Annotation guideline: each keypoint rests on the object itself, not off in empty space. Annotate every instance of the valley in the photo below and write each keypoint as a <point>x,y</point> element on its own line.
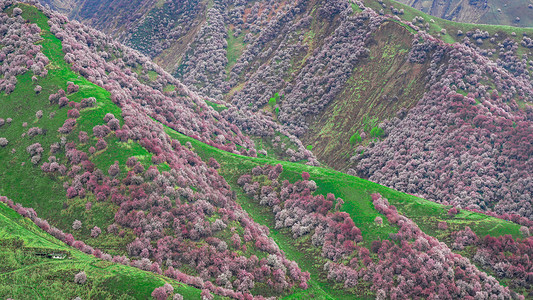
<point>262,150</point>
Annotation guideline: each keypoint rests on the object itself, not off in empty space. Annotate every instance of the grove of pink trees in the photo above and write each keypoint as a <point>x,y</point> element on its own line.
<point>19,52</point>
<point>467,142</point>
<point>180,216</point>
<point>410,265</point>
<point>507,257</point>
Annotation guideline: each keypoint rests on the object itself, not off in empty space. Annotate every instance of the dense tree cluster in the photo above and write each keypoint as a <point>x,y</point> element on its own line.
<point>508,59</point>
<point>19,52</point>
<point>425,267</point>
<point>412,265</point>
<point>466,143</point>
<point>143,263</point>
<point>263,126</point>
<point>527,42</point>
<point>204,69</point>
<point>296,208</point>
<point>182,110</point>
<point>171,224</point>
<point>164,25</point>
<point>269,67</point>
<point>508,258</point>
<point>324,73</point>
<point>181,216</point>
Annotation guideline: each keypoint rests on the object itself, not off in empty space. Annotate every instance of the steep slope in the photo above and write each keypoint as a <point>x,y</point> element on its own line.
<point>28,273</point>
<point>217,55</point>
<point>178,201</point>
<point>164,192</point>
<point>382,85</point>
<point>435,220</point>
<point>515,13</point>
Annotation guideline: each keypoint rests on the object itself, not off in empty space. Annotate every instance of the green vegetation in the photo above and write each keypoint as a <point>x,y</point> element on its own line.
<point>356,138</point>
<point>376,132</point>
<point>169,88</point>
<point>25,275</point>
<point>356,8</point>
<point>15,161</point>
<point>215,106</point>
<point>363,103</point>
<point>274,100</point>
<point>106,280</point>
<point>152,75</point>
<point>437,24</point>
<point>356,194</point>
<point>235,48</point>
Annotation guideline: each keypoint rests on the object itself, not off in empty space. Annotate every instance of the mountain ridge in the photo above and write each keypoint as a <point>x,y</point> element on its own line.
<point>142,172</point>
<point>483,12</point>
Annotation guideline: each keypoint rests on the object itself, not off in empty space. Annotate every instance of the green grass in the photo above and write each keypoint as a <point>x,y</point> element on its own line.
<point>356,194</point>
<point>235,48</point>
<point>274,100</point>
<point>27,276</point>
<point>355,138</point>
<point>45,193</point>
<point>376,132</point>
<point>169,88</point>
<point>216,106</point>
<point>452,27</point>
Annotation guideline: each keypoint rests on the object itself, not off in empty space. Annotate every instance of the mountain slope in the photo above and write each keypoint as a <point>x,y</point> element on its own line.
<point>83,193</point>
<point>162,192</point>
<point>26,275</point>
<point>220,59</point>
<point>482,12</point>
<point>356,194</point>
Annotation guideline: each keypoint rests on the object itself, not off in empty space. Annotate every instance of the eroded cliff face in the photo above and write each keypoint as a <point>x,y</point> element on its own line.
<point>478,11</point>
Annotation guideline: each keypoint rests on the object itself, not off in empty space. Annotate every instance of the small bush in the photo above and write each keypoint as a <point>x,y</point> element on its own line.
<point>377,132</point>
<point>356,138</point>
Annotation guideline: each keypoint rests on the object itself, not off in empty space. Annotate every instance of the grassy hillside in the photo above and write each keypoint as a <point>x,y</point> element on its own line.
<point>46,193</point>
<point>482,12</point>
<point>27,184</point>
<point>17,169</point>
<point>356,194</point>
<point>381,85</point>
<point>364,100</point>
<point>25,275</point>
<point>504,31</point>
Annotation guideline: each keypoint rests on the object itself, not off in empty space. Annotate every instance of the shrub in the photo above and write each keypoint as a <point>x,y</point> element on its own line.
<point>76,225</point>
<point>3,142</point>
<point>442,225</point>
<point>95,232</point>
<point>356,137</point>
<point>80,278</point>
<point>453,211</point>
<point>377,132</point>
